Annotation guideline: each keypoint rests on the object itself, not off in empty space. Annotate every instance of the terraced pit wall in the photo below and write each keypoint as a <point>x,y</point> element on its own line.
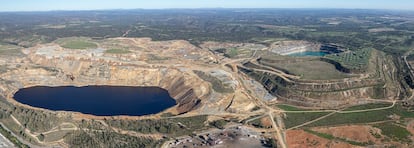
<point>187,90</point>
<point>342,68</point>
<point>379,84</point>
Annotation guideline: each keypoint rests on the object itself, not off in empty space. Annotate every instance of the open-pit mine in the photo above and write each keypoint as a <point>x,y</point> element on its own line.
<point>252,94</point>
<point>207,78</point>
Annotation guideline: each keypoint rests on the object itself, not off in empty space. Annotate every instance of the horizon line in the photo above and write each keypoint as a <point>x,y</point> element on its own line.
<point>204,8</point>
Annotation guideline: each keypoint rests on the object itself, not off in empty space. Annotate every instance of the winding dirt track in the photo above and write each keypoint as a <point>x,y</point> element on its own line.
<point>279,131</point>
<point>340,112</point>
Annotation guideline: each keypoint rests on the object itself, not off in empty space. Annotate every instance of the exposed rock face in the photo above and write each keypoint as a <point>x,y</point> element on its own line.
<point>360,89</point>
<point>54,66</point>
<point>321,95</point>
<point>289,47</point>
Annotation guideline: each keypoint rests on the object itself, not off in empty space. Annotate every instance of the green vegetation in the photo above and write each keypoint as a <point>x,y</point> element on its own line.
<point>225,27</point>
<point>78,44</point>
<point>219,123</point>
<point>34,120</point>
<point>323,135</point>
<point>153,57</point>
<point>117,51</point>
<point>394,131</point>
<point>228,25</point>
<point>289,108</point>
<point>10,50</point>
<point>352,61</point>
<point>231,53</point>
<point>267,41</point>
<point>94,134</point>
<point>368,106</point>
<point>364,117</point>
<point>352,118</point>
<point>307,69</point>
<point>37,120</point>
<point>55,136</point>
<point>234,52</point>
<point>378,91</point>
<point>83,139</point>
<point>41,137</point>
<point>13,139</point>
<point>294,119</point>
<point>331,137</point>
<point>216,83</point>
<point>375,134</point>
<point>173,126</point>
<point>258,123</point>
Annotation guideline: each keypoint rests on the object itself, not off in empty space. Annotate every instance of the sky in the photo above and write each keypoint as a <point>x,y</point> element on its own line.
<point>46,5</point>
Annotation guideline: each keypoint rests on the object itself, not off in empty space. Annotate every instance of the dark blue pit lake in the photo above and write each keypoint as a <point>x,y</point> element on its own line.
<point>98,100</point>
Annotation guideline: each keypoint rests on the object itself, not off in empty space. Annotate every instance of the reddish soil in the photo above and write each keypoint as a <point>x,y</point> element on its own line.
<point>410,128</point>
<point>266,122</point>
<point>302,139</point>
<point>358,133</point>
<point>363,133</point>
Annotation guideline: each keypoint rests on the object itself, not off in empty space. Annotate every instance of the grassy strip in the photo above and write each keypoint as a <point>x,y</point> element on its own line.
<point>76,44</point>
<point>395,132</point>
<point>294,119</point>
<point>290,108</point>
<point>368,106</point>
<point>231,53</point>
<point>363,117</point>
<point>117,51</point>
<point>216,83</point>
<point>331,137</point>
<point>219,123</point>
<point>13,139</point>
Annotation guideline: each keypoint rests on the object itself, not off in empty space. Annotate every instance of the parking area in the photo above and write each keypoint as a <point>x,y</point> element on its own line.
<point>239,136</point>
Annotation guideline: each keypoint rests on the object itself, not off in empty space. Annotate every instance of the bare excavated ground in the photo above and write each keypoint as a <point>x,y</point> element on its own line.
<point>122,61</point>
<point>344,136</point>
<point>52,65</point>
<point>302,139</point>
<point>205,80</point>
<point>358,133</point>
<point>240,137</point>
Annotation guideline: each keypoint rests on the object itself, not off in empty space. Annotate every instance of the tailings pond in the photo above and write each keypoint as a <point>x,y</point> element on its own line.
<point>98,100</point>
